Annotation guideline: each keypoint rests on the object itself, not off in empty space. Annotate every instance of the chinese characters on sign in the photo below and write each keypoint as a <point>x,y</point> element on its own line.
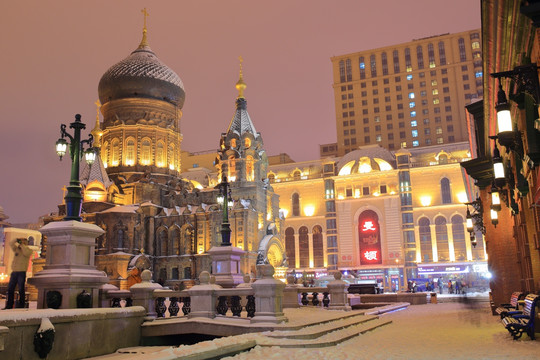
<point>369,238</point>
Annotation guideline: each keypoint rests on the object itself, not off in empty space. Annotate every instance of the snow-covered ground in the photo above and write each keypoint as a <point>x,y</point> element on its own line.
<point>456,330</point>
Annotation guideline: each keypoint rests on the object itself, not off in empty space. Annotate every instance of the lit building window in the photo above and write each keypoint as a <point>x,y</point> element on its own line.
<point>290,246</point>
<point>441,235</point>
<point>303,245</point>
<point>145,152</point>
<point>424,232</point>
<point>446,195</point>
<point>413,113</point>
<point>415,143</point>
<point>115,158</point>
<point>414,123</point>
<point>296,204</point>
<point>130,152</point>
<point>414,133</point>
<point>409,77</point>
<point>412,104</point>
<point>411,95</point>
<point>160,154</point>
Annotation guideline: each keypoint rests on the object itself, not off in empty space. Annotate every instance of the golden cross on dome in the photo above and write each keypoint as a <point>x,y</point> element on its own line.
<point>241,85</point>
<point>145,14</point>
<point>241,61</point>
<point>144,41</point>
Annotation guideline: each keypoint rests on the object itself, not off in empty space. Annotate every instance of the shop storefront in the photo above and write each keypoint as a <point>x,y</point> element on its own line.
<point>473,276</point>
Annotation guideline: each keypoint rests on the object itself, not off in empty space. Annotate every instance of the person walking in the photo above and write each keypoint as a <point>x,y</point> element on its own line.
<point>19,265</point>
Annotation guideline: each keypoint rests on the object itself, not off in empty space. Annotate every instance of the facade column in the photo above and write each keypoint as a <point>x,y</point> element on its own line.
<point>450,237</point>
<point>433,235</point>
<point>467,242</point>
<point>296,250</point>
<point>310,242</point>
<point>417,241</point>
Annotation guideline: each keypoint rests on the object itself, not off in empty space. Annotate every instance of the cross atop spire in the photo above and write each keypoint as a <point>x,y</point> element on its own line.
<point>241,85</point>
<point>144,41</point>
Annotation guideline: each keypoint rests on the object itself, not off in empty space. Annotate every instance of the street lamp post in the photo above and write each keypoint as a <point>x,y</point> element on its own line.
<point>225,225</point>
<point>73,197</point>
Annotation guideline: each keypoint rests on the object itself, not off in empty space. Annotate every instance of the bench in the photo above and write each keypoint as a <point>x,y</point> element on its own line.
<point>524,322</point>
<point>513,307</point>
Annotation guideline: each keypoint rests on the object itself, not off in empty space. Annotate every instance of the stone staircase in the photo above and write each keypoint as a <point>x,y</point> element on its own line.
<point>323,335</point>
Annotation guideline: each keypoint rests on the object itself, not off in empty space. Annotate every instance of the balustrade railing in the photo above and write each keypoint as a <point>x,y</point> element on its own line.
<point>168,303</point>
<point>234,300</point>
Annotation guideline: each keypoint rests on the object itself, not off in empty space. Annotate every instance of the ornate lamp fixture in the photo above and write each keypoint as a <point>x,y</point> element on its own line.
<point>475,222</point>
<point>225,200</point>
<point>73,197</point>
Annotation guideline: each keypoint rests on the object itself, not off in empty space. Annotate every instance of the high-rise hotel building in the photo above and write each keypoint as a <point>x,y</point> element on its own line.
<point>407,95</point>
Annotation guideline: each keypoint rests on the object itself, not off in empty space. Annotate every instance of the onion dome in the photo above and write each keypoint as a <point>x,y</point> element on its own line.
<point>141,74</point>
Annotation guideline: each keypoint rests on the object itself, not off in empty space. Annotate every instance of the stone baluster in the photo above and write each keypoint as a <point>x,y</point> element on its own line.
<point>203,297</point>
<point>143,294</point>
<point>268,297</point>
<point>290,293</point>
<point>338,290</point>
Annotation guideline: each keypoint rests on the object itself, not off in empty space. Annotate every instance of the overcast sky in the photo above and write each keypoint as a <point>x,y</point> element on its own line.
<point>55,52</point>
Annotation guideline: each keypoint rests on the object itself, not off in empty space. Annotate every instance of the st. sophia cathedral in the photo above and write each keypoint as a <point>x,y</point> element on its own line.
<point>154,216</point>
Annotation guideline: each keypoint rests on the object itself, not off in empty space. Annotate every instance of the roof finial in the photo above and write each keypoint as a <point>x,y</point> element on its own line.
<point>241,85</point>
<point>97,133</point>
<point>144,41</point>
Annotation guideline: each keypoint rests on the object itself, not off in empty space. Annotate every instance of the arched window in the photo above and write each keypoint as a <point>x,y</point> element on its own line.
<point>130,152</point>
<point>163,249</point>
<point>458,234</point>
<point>445,191</point>
<point>290,247</point>
<point>395,56</point>
<point>342,71</point>
<point>424,231</point>
<point>362,67</point>
<point>296,204</point>
<point>105,153</point>
<point>443,159</point>
<point>175,240</point>
<point>373,66</point>
<point>249,167</point>
<point>348,69</point>
<point>303,244</point>
<point>146,152</point>
<point>369,237</point>
<point>247,143</point>
<point>172,157</point>
<point>271,178</point>
<point>442,53</point>
<point>232,168</point>
<point>233,143</point>
<point>420,57</point>
<point>160,154</point>
<point>318,249</point>
<point>115,152</point>
<point>296,175</point>
<point>441,234</point>
<point>384,61</point>
<point>462,53</point>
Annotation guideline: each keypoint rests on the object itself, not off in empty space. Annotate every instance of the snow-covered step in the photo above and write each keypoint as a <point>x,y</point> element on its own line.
<point>313,332</point>
<point>330,339</point>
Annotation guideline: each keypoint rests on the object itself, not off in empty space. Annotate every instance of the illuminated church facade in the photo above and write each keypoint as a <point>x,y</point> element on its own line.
<point>153,216</point>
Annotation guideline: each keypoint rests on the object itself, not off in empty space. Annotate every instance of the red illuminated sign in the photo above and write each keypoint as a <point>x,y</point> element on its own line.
<point>368,226</point>
<point>371,255</point>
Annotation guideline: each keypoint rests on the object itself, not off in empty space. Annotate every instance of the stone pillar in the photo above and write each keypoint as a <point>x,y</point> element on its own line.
<point>268,297</point>
<point>143,294</point>
<point>290,294</point>
<point>226,265</point>
<point>69,268</point>
<point>203,297</point>
<point>338,290</point>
